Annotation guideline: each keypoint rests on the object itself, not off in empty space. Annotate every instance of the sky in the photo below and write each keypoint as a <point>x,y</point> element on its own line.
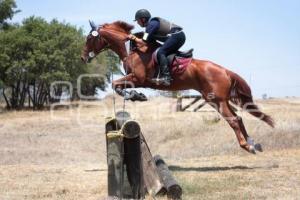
<point>258,39</point>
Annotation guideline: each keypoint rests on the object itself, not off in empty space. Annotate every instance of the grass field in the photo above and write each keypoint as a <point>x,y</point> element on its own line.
<point>60,154</point>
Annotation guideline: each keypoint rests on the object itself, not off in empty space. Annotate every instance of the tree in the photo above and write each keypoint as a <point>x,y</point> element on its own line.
<point>36,54</point>
<point>7,11</point>
<point>104,65</point>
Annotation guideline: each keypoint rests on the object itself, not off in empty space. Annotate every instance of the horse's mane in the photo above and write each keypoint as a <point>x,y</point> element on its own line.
<point>122,26</point>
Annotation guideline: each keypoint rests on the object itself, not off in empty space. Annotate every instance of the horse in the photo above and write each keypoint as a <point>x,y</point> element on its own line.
<point>217,85</point>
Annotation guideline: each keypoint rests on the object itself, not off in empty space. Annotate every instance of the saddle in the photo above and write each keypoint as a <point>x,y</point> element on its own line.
<point>185,54</point>
<point>177,62</point>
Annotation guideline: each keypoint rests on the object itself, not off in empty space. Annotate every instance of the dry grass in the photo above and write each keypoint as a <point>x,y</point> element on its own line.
<point>61,154</point>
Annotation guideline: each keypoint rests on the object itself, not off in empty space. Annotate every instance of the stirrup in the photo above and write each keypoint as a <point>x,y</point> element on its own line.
<point>162,81</point>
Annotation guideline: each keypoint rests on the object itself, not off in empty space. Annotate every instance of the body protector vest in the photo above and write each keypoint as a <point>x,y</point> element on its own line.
<point>165,28</point>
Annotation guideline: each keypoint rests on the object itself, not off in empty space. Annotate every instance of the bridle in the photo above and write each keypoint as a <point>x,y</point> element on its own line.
<point>108,45</point>
<point>91,54</point>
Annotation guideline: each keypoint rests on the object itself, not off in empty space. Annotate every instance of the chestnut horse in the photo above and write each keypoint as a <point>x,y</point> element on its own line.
<point>217,85</point>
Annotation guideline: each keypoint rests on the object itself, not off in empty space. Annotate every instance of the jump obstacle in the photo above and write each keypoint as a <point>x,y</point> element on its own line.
<point>132,171</point>
<point>196,99</point>
<point>180,107</point>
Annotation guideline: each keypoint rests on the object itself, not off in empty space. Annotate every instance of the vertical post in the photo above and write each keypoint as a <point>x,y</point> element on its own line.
<point>132,157</point>
<point>115,150</point>
<point>179,104</point>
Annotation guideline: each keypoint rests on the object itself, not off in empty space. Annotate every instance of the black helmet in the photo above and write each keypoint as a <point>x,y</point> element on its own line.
<point>142,13</point>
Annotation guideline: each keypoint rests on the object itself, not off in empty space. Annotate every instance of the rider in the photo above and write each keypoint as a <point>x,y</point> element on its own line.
<point>164,31</point>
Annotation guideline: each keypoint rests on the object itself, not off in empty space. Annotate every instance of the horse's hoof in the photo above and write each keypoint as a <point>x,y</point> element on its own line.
<point>258,147</point>
<point>252,149</point>
<point>142,97</point>
<point>135,96</point>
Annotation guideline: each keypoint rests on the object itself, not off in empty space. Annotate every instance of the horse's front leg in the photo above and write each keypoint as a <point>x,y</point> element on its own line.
<point>128,81</point>
<point>125,82</point>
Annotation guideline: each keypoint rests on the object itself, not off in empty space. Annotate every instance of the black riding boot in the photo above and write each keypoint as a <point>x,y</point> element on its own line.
<point>164,75</point>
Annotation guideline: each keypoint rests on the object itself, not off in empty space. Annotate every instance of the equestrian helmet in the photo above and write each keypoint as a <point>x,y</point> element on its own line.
<point>142,13</point>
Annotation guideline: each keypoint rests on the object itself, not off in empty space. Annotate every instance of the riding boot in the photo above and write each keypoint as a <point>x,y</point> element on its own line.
<point>165,75</point>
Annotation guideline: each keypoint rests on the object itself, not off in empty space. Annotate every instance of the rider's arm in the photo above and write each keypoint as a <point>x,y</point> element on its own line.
<point>151,28</point>
<point>136,39</point>
<point>140,43</point>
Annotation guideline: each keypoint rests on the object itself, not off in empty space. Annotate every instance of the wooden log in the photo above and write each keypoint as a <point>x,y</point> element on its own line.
<point>115,164</point>
<point>133,164</point>
<point>132,157</point>
<point>190,96</point>
<point>151,178</point>
<point>122,117</point>
<point>131,129</point>
<point>111,124</point>
<point>174,191</point>
<point>118,185</point>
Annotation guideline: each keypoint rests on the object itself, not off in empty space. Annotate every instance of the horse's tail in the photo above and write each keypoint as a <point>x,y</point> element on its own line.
<point>240,94</point>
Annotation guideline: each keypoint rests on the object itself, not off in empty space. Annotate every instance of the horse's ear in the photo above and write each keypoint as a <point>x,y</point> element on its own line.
<point>93,25</point>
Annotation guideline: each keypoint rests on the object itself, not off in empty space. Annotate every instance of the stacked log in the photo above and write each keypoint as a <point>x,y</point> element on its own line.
<point>123,160</point>
<point>132,171</point>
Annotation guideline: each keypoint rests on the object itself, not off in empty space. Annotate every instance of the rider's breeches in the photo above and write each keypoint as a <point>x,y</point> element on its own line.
<point>170,46</point>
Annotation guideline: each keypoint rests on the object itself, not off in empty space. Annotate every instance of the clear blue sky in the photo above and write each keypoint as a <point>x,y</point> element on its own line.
<point>258,39</point>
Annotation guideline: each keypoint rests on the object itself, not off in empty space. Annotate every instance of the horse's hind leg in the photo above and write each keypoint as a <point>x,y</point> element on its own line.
<point>249,140</point>
<point>236,124</point>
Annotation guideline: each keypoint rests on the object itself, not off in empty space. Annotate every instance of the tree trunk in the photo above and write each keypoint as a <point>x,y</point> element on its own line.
<point>8,106</point>
<point>29,97</point>
<point>34,96</point>
<point>23,95</point>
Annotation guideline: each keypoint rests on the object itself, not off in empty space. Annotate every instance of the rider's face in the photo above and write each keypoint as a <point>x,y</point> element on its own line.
<point>141,22</point>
